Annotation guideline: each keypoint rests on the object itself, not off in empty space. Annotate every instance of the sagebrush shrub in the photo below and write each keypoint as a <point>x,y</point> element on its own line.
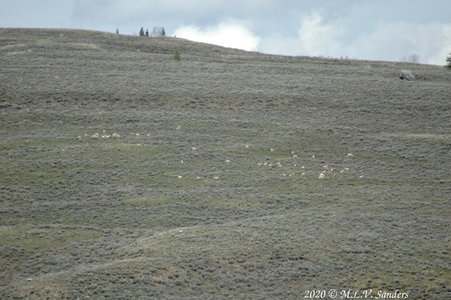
<point>177,55</point>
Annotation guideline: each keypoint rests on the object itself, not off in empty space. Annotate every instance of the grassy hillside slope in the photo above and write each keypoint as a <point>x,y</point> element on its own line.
<point>229,174</point>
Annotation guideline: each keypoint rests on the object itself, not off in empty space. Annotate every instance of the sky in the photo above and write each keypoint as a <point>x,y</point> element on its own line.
<point>391,30</point>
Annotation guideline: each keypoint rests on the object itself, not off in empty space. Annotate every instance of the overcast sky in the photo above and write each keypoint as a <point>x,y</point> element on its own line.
<point>363,29</point>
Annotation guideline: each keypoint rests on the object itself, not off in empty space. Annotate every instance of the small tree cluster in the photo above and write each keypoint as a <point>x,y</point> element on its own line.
<point>156,32</point>
<point>144,33</point>
<point>448,61</point>
<point>413,59</point>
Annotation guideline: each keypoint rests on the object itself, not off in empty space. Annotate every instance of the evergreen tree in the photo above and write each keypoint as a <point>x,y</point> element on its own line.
<point>448,61</point>
<point>117,30</point>
<point>147,32</point>
<point>162,32</point>
<point>141,32</point>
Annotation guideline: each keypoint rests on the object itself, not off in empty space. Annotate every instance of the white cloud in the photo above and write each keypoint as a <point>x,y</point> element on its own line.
<point>385,41</point>
<point>392,41</point>
<point>228,34</point>
<point>279,44</point>
<point>445,49</point>
<point>319,38</point>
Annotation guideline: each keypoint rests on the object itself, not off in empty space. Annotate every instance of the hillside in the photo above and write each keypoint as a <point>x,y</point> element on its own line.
<point>225,175</point>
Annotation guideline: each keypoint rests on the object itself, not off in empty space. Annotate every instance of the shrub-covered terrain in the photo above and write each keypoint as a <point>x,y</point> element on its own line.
<point>125,173</point>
